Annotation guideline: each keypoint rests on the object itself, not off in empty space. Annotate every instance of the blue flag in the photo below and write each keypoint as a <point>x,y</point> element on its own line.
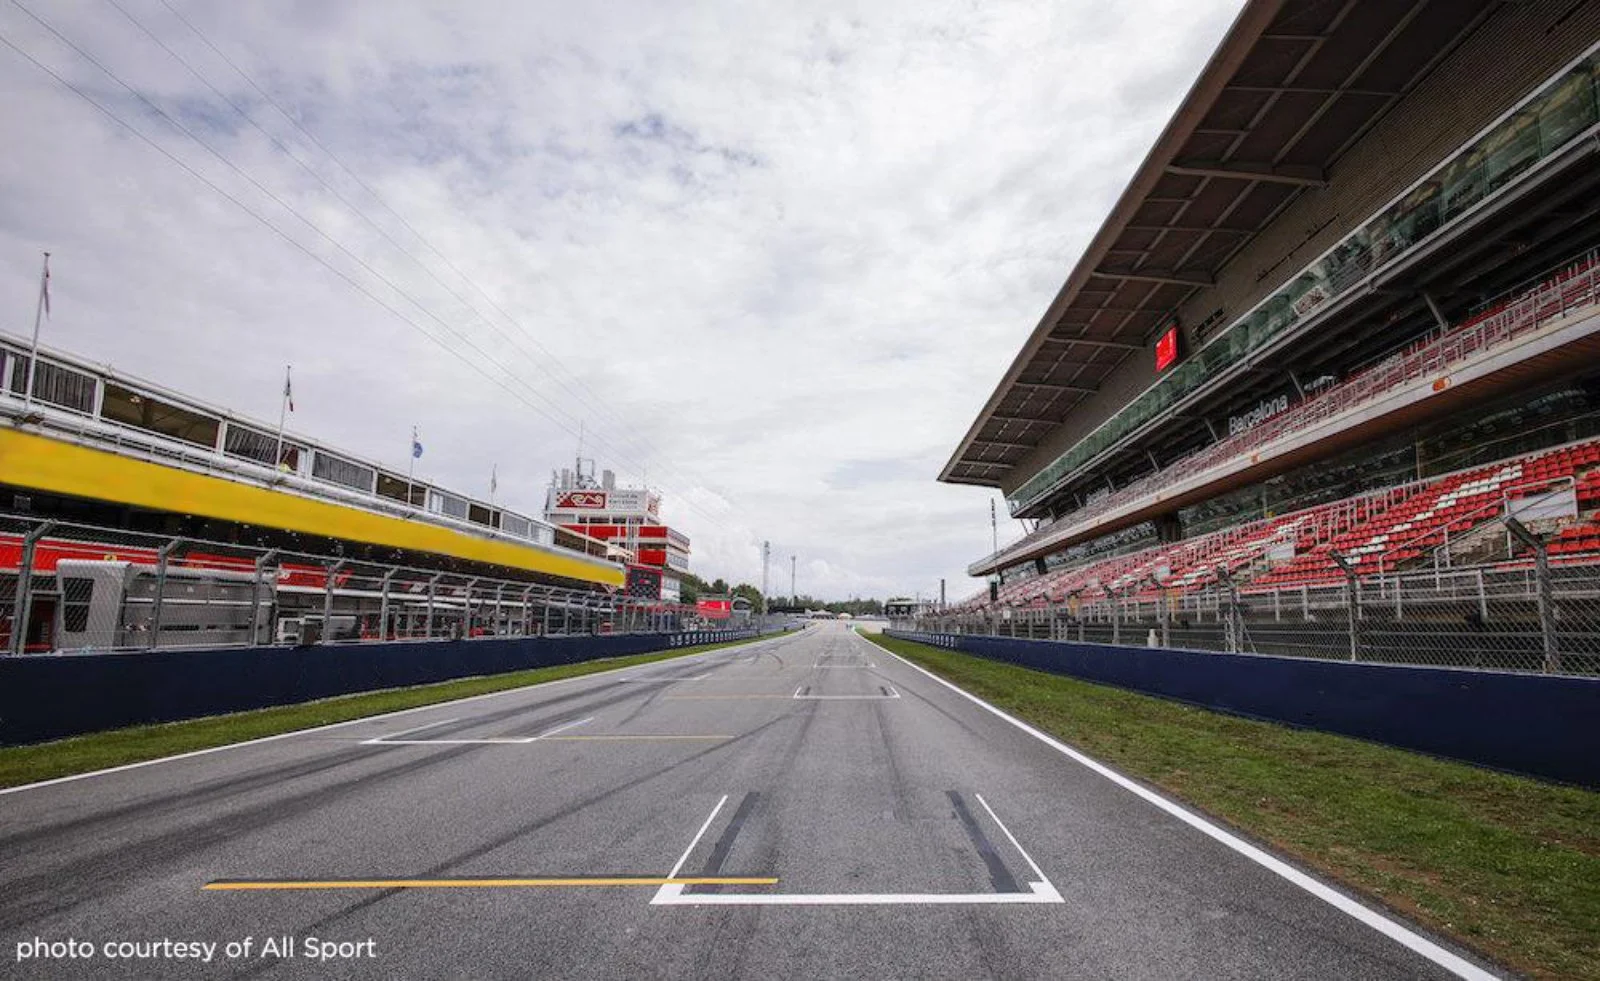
<point>416,445</point>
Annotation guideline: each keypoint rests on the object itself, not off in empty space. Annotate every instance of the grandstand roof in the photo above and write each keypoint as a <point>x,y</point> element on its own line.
<point>1293,85</point>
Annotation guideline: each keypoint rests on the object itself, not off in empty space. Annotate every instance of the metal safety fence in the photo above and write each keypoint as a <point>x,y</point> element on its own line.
<point>1529,615</point>
<point>76,587</point>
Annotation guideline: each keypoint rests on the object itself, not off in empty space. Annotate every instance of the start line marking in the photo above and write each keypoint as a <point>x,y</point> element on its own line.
<point>888,693</point>
<point>393,739</point>
<point>671,892</point>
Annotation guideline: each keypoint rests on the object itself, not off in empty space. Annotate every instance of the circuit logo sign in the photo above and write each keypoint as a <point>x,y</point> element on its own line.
<point>583,499</point>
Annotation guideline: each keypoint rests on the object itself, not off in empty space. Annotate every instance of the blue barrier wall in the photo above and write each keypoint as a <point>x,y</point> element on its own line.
<point>1541,725</point>
<point>49,696</point>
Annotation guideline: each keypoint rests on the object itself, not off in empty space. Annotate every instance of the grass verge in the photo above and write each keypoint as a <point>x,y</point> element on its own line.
<point>115,747</point>
<point>1508,866</point>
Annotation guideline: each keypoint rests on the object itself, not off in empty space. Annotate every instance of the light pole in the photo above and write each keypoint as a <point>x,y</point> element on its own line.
<point>766,555</point>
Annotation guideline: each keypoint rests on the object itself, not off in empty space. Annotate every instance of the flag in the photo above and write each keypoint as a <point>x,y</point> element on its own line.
<point>44,285</point>
<point>494,479</point>
<point>288,390</point>
<point>416,445</point>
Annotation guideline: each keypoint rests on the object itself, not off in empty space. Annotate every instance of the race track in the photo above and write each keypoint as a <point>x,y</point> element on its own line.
<point>808,806</point>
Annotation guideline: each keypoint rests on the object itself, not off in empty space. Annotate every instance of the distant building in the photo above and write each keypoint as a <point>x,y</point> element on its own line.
<point>628,518</point>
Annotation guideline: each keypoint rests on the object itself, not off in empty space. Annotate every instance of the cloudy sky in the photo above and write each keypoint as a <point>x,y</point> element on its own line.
<point>772,257</point>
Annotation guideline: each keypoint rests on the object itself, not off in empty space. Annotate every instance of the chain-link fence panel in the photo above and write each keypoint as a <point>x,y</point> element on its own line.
<point>1519,616</point>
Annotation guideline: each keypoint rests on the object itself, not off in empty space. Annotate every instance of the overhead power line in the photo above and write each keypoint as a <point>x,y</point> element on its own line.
<point>263,220</point>
<point>599,404</point>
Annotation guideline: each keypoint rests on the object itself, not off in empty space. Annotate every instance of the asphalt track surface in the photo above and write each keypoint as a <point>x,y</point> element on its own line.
<point>911,833</point>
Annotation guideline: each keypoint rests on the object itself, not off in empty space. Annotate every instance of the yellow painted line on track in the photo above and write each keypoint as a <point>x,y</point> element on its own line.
<point>591,739</point>
<point>697,698</point>
<point>620,880</point>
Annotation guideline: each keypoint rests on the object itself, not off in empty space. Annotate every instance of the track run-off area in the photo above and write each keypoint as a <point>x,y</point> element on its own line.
<point>807,806</point>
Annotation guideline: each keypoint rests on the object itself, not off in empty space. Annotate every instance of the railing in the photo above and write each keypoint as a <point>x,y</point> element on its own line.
<point>125,441</point>
<point>1538,129</point>
<point>1575,288</point>
<point>1478,516</point>
<point>72,587</point>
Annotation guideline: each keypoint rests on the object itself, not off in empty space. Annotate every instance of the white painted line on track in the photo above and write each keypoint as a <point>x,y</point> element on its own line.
<point>1042,891</point>
<point>894,693</point>
<point>659,681</point>
<point>673,895</point>
<point>697,836</point>
<point>406,732</point>
<point>1014,842</point>
<point>72,777</point>
<point>1394,930</point>
<point>563,727</point>
<point>484,741</point>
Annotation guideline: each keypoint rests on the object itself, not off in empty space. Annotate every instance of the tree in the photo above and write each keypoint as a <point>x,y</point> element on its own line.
<point>719,586</point>
<point>750,593</point>
<point>690,586</point>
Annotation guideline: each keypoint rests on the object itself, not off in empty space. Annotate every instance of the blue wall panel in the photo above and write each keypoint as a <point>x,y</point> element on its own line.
<point>1542,725</point>
<point>50,696</point>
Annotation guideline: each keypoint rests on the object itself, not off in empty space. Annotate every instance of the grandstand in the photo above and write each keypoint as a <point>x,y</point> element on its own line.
<point>139,510</point>
<point>1339,332</point>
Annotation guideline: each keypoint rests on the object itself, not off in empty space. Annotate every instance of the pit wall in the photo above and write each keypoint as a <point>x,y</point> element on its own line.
<point>51,696</point>
<point>1545,726</point>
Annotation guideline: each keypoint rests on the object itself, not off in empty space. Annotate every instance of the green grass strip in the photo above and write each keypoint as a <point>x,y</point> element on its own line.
<point>115,747</point>
<point>1508,866</point>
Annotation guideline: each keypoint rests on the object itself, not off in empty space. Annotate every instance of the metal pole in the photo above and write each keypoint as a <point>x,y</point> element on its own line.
<point>24,601</point>
<point>766,554</point>
<point>327,602</point>
<point>383,604</point>
<point>1354,604</point>
<point>255,596</point>
<point>283,409</point>
<point>1546,599</point>
<point>1230,622</point>
<point>466,616</point>
<point>161,590</point>
<point>427,623</point>
<point>33,348</point>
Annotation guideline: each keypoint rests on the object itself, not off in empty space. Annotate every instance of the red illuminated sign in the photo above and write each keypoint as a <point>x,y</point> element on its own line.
<point>715,609</point>
<point>1167,349</point>
<point>582,499</point>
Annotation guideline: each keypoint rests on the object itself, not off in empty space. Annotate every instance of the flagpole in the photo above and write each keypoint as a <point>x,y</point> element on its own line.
<point>411,464</point>
<point>38,312</point>
<point>283,408</point>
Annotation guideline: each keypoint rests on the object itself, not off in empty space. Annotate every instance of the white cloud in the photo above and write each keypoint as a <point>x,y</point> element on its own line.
<point>790,248</point>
